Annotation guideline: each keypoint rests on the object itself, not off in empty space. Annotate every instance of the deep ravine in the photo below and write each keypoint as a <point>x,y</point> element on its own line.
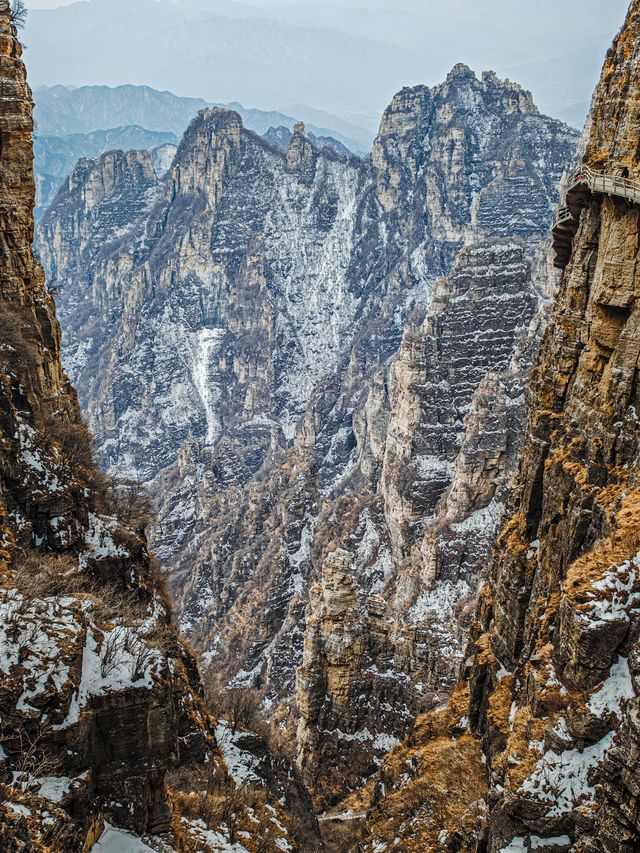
<point>538,747</point>
<point>316,365</point>
<point>105,735</point>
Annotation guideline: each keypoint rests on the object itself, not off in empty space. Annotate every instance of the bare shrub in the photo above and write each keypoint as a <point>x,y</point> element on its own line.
<point>34,760</point>
<point>226,804</point>
<point>76,445</point>
<point>164,638</point>
<point>18,14</point>
<point>200,778</point>
<point>124,639</point>
<point>142,656</point>
<point>267,839</point>
<point>239,706</point>
<point>126,500</point>
<point>30,633</point>
<point>112,649</point>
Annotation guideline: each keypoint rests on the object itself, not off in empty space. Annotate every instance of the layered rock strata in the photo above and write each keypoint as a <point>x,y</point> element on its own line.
<point>233,344</point>
<point>393,630</point>
<point>550,703</point>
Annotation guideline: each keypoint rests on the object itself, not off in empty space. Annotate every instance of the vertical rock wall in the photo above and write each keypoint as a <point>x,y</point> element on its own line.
<point>552,674</point>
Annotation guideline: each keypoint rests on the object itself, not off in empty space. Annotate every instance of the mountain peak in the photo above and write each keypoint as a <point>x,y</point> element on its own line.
<point>514,98</point>
<point>523,99</point>
<point>301,155</point>
<point>460,71</point>
<point>207,153</point>
<point>220,117</point>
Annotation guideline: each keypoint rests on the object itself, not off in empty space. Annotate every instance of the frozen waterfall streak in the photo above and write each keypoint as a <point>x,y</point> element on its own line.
<point>205,378</point>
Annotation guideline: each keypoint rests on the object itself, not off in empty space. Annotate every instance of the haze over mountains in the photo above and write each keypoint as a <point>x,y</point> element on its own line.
<point>87,121</point>
<point>351,431</point>
<point>346,58</point>
<point>61,110</point>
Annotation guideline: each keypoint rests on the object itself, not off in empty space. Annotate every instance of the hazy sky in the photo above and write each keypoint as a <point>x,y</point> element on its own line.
<point>48,4</point>
<point>345,57</point>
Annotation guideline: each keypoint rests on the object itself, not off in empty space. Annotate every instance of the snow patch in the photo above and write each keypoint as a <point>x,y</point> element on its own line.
<point>618,687</point>
<point>240,763</point>
<point>114,840</point>
<point>562,781</point>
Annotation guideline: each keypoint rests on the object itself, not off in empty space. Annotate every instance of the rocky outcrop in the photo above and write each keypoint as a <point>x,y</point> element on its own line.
<point>412,555</point>
<point>552,670</point>
<point>234,350</point>
<point>472,325</point>
<point>56,156</point>
<point>280,137</point>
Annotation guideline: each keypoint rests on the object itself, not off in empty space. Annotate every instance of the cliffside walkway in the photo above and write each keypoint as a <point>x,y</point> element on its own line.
<point>584,182</point>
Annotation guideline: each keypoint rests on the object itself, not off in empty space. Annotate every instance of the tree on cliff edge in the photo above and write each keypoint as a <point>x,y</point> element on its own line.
<point>18,13</point>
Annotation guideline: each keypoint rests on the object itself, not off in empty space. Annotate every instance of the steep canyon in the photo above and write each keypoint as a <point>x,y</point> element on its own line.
<point>544,723</point>
<point>316,363</point>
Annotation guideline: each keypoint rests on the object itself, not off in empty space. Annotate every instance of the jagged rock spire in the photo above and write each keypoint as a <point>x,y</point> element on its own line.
<point>301,156</point>
<point>17,181</point>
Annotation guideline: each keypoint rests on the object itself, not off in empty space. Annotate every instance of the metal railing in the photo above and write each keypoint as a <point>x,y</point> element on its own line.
<point>606,183</point>
<point>569,214</point>
<point>562,215</point>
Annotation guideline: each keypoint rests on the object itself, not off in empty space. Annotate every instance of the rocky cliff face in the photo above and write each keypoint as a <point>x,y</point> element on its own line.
<point>56,156</point>
<point>418,543</point>
<point>551,695</point>
<point>63,703</point>
<point>239,336</point>
<point>100,698</point>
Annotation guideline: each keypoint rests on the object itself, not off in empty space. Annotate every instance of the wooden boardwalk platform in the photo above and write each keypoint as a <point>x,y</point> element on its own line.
<point>567,218</point>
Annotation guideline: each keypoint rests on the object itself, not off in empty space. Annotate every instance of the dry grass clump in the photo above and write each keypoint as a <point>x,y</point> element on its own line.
<point>113,606</point>
<point>513,539</point>
<point>38,575</point>
<point>47,829</point>
<point>206,794</point>
<point>447,793</point>
<point>435,782</point>
<point>222,804</point>
<point>500,700</point>
<point>518,759</point>
<point>484,652</point>
<point>616,549</point>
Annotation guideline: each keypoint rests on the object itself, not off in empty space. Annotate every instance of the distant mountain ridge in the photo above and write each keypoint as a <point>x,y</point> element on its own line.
<point>347,57</point>
<point>60,111</point>
<point>91,120</point>
<point>56,156</point>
